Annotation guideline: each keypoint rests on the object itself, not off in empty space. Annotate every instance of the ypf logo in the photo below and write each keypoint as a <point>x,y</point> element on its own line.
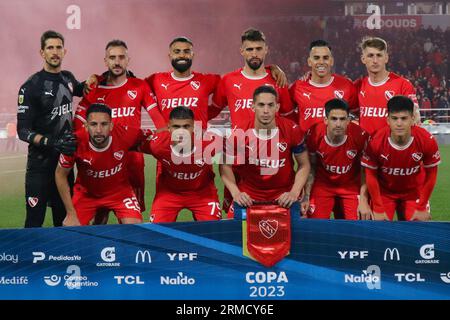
<point>268,228</point>
<point>388,94</point>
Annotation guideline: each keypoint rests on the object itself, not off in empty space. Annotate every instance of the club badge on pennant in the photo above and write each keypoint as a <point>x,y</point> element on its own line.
<point>268,233</point>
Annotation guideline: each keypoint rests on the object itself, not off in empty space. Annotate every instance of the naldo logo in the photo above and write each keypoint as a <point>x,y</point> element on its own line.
<point>108,256</point>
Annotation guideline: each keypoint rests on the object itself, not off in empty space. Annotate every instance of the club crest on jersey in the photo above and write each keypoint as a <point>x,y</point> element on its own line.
<point>33,201</point>
<point>200,162</point>
<point>388,94</point>
<point>132,94</point>
<point>351,154</point>
<point>118,155</point>
<point>339,94</point>
<point>70,86</point>
<point>268,228</point>
<point>282,146</point>
<point>195,85</point>
<point>417,156</point>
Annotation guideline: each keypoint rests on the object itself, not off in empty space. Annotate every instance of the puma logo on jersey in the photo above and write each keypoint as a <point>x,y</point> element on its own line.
<point>49,93</point>
<point>89,161</point>
<point>101,98</point>
<point>385,157</point>
<point>237,85</point>
<point>164,85</point>
<point>321,154</point>
<point>363,93</point>
<point>308,95</point>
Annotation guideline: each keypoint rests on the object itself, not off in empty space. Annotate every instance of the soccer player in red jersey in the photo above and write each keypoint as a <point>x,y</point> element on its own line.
<point>182,86</point>
<point>102,180</point>
<point>393,159</point>
<point>262,151</point>
<point>311,94</point>
<point>236,88</point>
<point>126,97</point>
<point>335,147</point>
<point>380,85</point>
<point>187,177</point>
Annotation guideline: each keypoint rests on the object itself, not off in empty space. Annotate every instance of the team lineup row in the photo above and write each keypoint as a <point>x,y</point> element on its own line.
<point>45,114</point>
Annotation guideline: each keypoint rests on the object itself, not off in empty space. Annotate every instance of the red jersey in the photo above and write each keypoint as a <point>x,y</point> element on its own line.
<point>125,101</point>
<point>265,164</point>
<point>311,97</point>
<point>399,166</point>
<point>338,165</point>
<point>103,172</point>
<point>192,92</point>
<point>373,99</point>
<point>180,172</point>
<point>235,90</point>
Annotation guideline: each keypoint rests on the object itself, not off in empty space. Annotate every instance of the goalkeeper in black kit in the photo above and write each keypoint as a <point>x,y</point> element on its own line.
<point>44,120</point>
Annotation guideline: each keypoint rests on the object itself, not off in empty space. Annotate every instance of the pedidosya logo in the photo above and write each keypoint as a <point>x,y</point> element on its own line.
<point>41,256</point>
<point>73,279</point>
<point>108,256</point>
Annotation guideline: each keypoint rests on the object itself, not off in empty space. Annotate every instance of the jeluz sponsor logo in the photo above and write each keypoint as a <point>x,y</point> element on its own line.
<point>189,102</point>
<point>427,253</point>
<point>179,280</point>
<point>122,112</point>
<point>72,279</point>
<point>338,169</point>
<point>104,173</point>
<point>266,277</point>
<point>13,281</point>
<point>108,256</point>
<point>400,171</point>
<point>316,112</point>
<point>243,104</point>
<point>7,257</point>
<point>380,112</point>
<point>371,277</point>
<point>41,256</point>
<point>61,110</point>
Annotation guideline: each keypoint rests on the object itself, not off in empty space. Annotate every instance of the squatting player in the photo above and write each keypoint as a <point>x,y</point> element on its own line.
<point>393,160</point>
<point>186,180</point>
<point>102,180</point>
<point>335,147</point>
<point>125,96</point>
<point>262,152</point>
<point>311,94</point>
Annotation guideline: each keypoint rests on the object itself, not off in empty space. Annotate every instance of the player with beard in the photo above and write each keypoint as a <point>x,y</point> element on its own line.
<point>102,179</point>
<point>311,94</point>
<point>126,96</point>
<point>236,88</point>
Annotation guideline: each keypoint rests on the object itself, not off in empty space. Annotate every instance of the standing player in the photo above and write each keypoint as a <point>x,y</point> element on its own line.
<point>380,85</point>
<point>335,147</point>
<point>102,181</point>
<point>186,180</point>
<point>126,97</point>
<point>182,86</point>
<point>393,160</point>
<point>236,88</point>
<point>44,115</point>
<point>311,94</point>
<point>264,158</point>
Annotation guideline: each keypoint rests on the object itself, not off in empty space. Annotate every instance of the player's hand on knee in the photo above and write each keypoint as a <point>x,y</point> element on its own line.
<point>421,216</point>
<point>287,199</point>
<point>364,212</point>
<point>380,216</point>
<point>243,199</point>
<point>71,220</point>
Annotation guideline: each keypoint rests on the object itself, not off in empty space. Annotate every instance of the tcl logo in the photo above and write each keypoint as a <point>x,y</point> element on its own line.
<point>409,277</point>
<point>129,280</point>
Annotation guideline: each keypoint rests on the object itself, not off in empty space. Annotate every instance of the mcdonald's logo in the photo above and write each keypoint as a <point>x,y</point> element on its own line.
<point>392,253</point>
<point>143,256</point>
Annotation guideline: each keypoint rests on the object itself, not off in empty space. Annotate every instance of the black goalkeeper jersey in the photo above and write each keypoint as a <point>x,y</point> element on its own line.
<point>45,107</point>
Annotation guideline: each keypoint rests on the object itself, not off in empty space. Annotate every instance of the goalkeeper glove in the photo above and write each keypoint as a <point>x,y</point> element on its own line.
<point>66,144</point>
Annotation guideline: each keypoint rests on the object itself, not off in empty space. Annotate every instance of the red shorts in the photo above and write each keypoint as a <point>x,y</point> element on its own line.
<point>323,201</point>
<point>135,167</point>
<point>124,204</point>
<point>204,205</point>
<point>405,205</point>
